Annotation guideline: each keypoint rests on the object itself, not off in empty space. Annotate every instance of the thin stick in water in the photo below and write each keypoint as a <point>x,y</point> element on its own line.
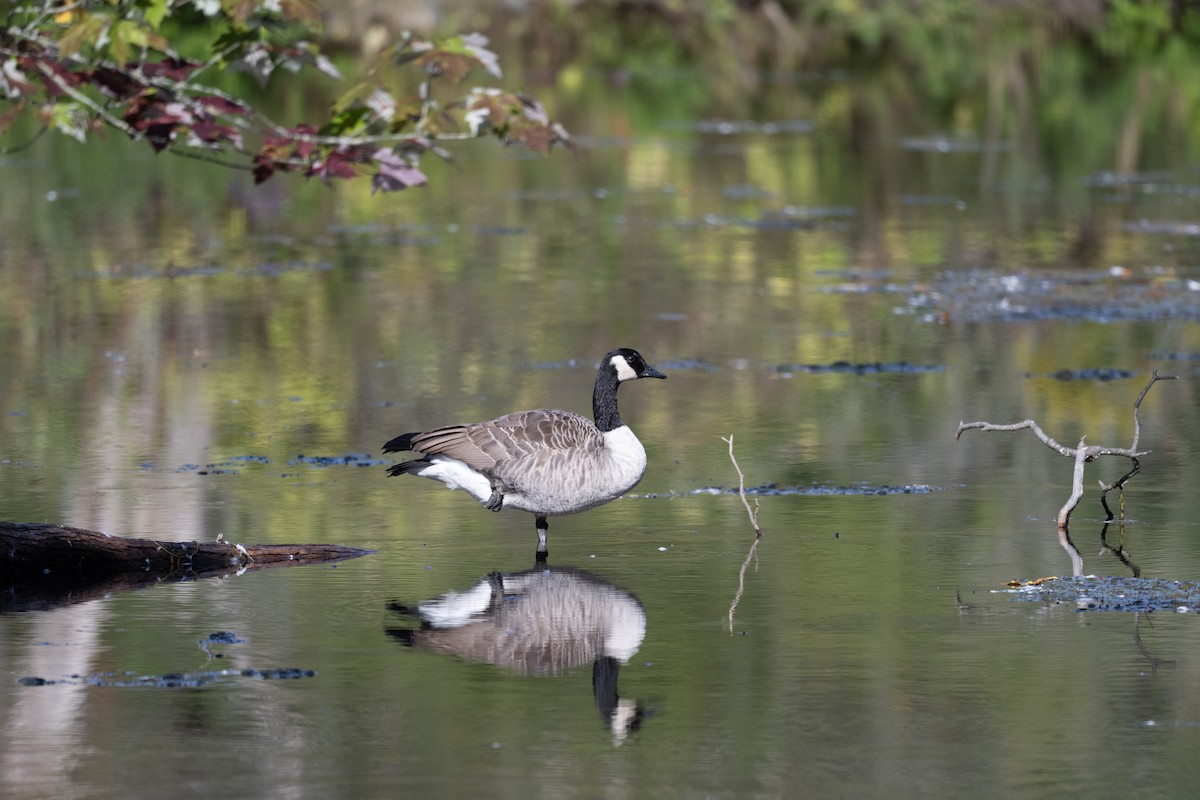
<point>753,513</point>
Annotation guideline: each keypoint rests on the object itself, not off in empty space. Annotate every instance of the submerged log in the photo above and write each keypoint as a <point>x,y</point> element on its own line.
<point>43,565</point>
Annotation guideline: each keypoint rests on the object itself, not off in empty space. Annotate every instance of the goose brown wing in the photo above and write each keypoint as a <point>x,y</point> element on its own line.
<point>499,445</point>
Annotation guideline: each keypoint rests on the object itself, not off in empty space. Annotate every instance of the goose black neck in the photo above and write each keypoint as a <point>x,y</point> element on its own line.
<point>604,399</point>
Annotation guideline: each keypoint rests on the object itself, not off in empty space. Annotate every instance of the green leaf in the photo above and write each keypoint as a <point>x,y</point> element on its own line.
<point>88,29</point>
<point>125,35</point>
<point>347,122</point>
<point>156,12</point>
<point>67,118</point>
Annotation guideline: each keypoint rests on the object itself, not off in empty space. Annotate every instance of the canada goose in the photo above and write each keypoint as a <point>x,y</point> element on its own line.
<point>546,462</point>
<point>543,621</point>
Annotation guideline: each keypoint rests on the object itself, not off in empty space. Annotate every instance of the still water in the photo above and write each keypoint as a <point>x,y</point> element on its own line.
<point>184,355</point>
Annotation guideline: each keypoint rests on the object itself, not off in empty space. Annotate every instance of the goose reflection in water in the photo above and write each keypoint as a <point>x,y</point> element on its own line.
<point>543,621</point>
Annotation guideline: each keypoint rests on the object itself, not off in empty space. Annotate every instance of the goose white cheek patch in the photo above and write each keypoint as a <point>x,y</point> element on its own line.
<point>624,371</point>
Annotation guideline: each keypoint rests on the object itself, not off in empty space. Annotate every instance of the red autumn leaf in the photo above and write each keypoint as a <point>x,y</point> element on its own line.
<point>304,147</point>
<point>175,69</point>
<point>159,136</point>
<point>275,141</point>
<point>214,133</point>
<point>264,168</point>
<point>396,172</point>
<point>155,112</point>
<point>442,64</point>
<point>338,164</point>
<point>221,105</point>
<point>538,138</point>
<point>115,83</point>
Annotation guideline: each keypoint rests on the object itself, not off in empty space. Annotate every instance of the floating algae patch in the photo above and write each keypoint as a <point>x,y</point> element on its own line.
<point>1089,374</point>
<point>1113,593</point>
<point>778,490</point>
<point>875,368</point>
<point>169,680</point>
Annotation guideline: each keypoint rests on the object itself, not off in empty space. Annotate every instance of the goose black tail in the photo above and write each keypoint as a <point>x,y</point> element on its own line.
<point>400,443</point>
<point>405,467</point>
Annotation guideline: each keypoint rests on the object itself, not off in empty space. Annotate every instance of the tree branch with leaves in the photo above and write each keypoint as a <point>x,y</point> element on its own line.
<point>83,67</point>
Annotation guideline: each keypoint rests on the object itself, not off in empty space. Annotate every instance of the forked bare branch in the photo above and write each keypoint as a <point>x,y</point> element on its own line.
<point>1083,453</point>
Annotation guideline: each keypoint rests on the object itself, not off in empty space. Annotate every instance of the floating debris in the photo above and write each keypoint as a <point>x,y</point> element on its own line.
<point>1109,179</point>
<point>729,127</point>
<point>347,460</point>
<point>279,673</point>
<point>1093,374</point>
<point>169,680</point>
<point>233,465</point>
<point>1108,295</point>
<point>951,143</point>
<point>219,637</point>
<point>1163,228</point>
<point>1174,357</point>
<point>779,490</point>
<point>873,368</point>
<point>1112,593</point>
<point>789,219</point>
<point>676,365</point>
<point>745,192</point>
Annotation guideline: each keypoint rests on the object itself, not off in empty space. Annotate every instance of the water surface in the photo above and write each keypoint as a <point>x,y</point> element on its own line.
<point>186,356</point>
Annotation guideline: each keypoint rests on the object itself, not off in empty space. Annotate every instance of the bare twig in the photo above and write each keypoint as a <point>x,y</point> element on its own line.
<point>1120,482</point>
<point>1016,426</point>
<point>1137,404</point>
<point>753,513</point>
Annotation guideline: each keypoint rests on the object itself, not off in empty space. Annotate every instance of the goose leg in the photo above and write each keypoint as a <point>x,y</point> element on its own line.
<point>496,501</point>
<point>543,528</point>
<point>496,581</point>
